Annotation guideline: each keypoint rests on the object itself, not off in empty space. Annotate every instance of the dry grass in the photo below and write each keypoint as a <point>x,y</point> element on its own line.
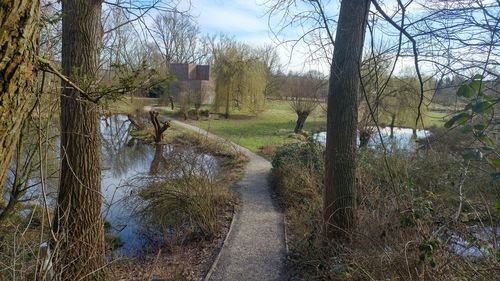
<point>192,207</point>
<point>404,220</point>
<point>187,207</point>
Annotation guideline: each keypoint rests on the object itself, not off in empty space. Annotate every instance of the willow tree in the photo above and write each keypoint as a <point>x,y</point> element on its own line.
<point>343,92</point>
<point>400,104</point>
<point>78,224</point>
<point>374,77</point>
<point>18,47</point>
<point>240,82</point>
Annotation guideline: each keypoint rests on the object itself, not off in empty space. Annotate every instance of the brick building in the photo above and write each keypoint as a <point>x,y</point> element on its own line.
<point>192,79</point>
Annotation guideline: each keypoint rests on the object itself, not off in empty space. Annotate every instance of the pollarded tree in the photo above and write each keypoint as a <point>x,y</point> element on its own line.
<point>78,224</point>
<point>304,92</point>
<point>18,47</point>
<point>240,81</point>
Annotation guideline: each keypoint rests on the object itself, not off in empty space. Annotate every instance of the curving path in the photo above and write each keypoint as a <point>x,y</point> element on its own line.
<point>255,247</point>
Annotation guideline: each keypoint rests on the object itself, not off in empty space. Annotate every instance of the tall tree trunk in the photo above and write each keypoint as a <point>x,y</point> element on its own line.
<point>226,114</point>
<point>78,223</point>
<point>301,120</point>
<point>340,166</point>
<point>18,47</point>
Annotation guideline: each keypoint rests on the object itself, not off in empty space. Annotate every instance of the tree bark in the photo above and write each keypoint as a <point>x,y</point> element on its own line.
<point>340,166</point>
<point>18,48</point>
<point>226,114</point>
<point>159,127</point>
<point>78,223</point>
<point>301,120</point>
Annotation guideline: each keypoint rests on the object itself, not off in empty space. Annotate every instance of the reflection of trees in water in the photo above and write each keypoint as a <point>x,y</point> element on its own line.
<point>119,149</point>
<point>172,161</point>
<point>23,176</point>
<point>159,160</point>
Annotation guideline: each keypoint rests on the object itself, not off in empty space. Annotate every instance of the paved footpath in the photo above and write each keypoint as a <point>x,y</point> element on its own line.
<point>255,248</point>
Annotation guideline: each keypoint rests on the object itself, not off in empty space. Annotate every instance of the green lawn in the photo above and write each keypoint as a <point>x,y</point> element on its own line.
<point>270,128</point>
<point>435,118</point>
<point>430,119</point>
<point>273,127</point>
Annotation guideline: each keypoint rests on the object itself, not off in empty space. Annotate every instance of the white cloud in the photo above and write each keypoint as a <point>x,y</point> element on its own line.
<point>229,17</point>
<point>247,21</point>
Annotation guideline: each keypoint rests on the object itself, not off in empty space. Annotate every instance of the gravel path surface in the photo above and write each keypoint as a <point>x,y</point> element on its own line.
<point>255,248</point>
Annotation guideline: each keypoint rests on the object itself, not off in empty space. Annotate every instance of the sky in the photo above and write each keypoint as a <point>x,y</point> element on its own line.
<point>248,21</point>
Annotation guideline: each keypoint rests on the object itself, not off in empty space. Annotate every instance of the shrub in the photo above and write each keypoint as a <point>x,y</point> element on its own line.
<point>190,200</point>
<point>190,204</point>
<point>297,170</point>
<point>405,217</point>
<point>309,154</point>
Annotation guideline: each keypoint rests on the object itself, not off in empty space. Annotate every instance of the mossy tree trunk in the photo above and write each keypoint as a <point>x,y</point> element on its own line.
<point>340,166</point>
<point>18,47</point>
<point>78,223</point>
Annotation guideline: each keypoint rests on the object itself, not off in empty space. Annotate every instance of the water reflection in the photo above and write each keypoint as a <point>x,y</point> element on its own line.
<point>401,139</point>
<point>129,166</point>
<point>159,161</point>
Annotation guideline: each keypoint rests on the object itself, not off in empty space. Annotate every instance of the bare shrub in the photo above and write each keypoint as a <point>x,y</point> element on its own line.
<point>190,198</point>
<point>406,227</point>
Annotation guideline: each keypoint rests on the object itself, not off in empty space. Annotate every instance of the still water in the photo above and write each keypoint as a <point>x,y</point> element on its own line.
<point>402,138</point>
<point>128,166</point>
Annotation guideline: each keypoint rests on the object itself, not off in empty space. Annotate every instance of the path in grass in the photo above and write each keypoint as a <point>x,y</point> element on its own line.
<point>255,248</point>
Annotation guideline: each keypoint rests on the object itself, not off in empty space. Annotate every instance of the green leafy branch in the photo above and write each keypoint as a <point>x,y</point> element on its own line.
<point>475,119</point>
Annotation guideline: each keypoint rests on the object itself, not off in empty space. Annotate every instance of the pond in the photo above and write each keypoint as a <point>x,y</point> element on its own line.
<point>402,138</point>
<point>479,243</point>
<point>128,166</point>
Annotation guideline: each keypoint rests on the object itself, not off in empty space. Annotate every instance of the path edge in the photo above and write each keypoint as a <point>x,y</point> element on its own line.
<point>236,212</point>
<point>219,254</point>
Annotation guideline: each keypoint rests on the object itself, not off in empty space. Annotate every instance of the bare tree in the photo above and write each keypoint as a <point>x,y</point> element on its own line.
<point>271,60</point>
<point>304,92</point>
<point>176,36</point>
<point>18,48</point>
